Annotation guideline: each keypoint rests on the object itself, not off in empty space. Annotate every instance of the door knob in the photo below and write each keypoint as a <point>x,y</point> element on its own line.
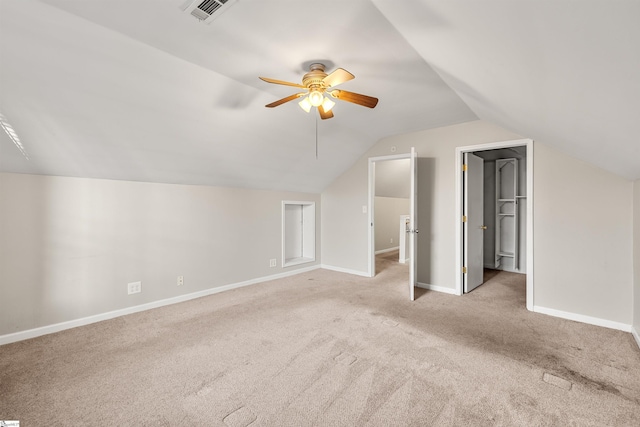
<point>483,227</point>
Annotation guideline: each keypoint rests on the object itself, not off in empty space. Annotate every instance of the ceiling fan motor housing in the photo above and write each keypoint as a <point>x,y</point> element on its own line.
<point>313,79</point>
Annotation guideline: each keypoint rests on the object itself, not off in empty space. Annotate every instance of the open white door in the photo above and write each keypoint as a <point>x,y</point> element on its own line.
<point>473,227</point>
<point>413,224</point>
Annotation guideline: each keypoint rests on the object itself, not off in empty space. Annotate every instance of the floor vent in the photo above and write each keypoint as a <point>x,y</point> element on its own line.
<point>206,10</point>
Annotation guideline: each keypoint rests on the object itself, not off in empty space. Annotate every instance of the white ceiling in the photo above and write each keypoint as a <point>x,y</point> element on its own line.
<point>562,72</point>
<point>139,90</point>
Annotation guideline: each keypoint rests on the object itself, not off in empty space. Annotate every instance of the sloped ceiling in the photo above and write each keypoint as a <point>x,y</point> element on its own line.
<point>139,90</point>
<point>562,72</point>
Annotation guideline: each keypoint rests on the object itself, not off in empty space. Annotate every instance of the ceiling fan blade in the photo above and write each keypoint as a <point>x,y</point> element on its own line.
<point>287,99</point>
<point>337,77</point>
<point>324,114</point>
<point>280,82</point>
<point>356,98</point>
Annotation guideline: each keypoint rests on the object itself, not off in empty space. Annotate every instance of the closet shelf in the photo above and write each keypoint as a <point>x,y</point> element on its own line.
<point>507,254</point>
<point>506,214</point>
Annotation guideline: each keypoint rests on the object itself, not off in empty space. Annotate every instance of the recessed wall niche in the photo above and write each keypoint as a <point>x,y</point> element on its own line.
<point>298,232</point>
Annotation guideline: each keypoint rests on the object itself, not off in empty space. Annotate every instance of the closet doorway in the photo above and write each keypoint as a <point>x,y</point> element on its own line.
<point>495,208</point>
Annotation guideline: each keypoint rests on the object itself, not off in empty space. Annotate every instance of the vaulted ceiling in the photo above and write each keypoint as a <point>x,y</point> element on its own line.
<point>140,90</point>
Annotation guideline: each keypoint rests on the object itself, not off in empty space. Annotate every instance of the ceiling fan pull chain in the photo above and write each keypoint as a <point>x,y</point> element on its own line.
<point>316,137</point>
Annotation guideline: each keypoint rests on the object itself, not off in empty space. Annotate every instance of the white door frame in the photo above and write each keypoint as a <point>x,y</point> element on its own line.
<point>372,193</point>
<point>459,196</point>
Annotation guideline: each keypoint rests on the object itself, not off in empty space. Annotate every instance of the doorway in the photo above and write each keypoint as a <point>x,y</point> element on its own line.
<point>494,198</point>
<point>392,210</point>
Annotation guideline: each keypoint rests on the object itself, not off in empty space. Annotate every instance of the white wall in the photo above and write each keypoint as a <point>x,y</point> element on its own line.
<point>387,221</point>
<point>583,238</point>
<point>393,178</point>
<point>69,246</point>
<point>636,256</point>
<point>344,224</point>
<point>582,222</point>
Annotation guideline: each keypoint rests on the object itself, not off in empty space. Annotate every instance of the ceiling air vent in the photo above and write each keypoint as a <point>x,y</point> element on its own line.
<point>206,10</point>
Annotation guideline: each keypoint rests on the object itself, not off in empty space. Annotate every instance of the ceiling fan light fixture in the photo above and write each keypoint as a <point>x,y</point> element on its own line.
<point>327,104</point>
<point>305,104</point>
<point>316,98</point>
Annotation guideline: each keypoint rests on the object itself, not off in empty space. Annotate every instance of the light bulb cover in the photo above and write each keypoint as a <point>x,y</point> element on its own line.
<point>305,104</point>
<point>327,104</point>
<point>316,98</point>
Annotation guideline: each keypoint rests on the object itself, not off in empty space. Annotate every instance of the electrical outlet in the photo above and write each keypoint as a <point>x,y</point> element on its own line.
<point>273,262</point>
<point>391,240</point>
<point>134,287</point>
<point>180,280</point>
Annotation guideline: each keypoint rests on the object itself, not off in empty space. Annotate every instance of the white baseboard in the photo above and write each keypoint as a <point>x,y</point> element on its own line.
<point>50,329</point>
<point>437,288</point>
<point>635,334</point>
<point>382,251</point>
<point>345,270</point>
<point>582,318</point>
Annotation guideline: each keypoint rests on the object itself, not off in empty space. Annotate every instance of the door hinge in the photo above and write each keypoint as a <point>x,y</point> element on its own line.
<point>464,168</point>
<point>464,270</point>
<point>464,218</point>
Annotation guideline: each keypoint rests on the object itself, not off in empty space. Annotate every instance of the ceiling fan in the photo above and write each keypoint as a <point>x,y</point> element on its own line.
<point>318,84</point>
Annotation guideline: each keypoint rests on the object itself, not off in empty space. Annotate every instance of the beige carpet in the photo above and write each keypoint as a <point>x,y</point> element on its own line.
<point>328,349</point>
